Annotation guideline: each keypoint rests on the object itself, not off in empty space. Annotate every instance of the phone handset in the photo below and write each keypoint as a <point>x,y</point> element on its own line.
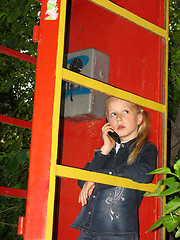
<point>114,135</point>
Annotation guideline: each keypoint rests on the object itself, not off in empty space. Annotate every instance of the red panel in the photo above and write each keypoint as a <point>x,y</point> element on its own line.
<point>150,10</point>
<point>135,62</point>
<point>135,66</point>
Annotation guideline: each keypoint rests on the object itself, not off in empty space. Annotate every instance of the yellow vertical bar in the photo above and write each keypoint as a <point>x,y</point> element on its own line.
<point>55,120</point>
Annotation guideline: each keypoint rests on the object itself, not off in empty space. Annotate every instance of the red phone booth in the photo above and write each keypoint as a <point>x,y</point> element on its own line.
<point>135,37</point>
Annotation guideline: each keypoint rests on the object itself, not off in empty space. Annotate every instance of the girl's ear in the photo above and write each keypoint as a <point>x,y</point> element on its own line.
<point>139,119</point>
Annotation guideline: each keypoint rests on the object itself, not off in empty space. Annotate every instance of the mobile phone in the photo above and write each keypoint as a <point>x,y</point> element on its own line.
<point>114,135</point>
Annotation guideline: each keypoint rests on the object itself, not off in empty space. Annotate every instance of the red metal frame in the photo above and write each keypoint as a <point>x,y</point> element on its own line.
<point>15,121</point>
<point>19,55</point>
<point>13,192</point>
<point>41,138</point>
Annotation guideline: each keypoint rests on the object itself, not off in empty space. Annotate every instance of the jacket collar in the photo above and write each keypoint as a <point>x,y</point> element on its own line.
<point>127,144</point>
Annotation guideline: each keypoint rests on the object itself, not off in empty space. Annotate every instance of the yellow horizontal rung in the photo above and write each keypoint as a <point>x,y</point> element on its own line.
<point>110,90</point>
<point>114,8</point>
<point>75,173</point>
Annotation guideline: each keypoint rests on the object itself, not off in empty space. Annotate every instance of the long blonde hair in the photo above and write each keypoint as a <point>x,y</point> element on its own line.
<point>143,130</point>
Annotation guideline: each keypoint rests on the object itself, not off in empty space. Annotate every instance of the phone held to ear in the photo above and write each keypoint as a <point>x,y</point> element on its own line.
<point>114,135</point>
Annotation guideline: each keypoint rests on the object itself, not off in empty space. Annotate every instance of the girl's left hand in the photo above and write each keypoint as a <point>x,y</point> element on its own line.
<point>86,192</point>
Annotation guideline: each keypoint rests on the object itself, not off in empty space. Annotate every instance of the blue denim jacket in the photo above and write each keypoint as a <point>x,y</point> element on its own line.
<point>114,210</point>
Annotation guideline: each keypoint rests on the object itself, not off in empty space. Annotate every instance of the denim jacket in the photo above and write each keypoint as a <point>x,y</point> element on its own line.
<point>114,210</point>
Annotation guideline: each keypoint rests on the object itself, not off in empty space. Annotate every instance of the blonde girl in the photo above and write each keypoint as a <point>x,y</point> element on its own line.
<point>110,212</point>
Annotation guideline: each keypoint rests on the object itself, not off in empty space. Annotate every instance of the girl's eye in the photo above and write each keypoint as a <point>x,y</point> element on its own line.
<point>125,111</point>
<point>112,114</point>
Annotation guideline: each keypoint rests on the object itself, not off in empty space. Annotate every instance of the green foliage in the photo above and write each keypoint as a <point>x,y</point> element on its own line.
<point>17,20</point>
<point>14,156</point>
<point>174,59</point>
<point>17,78</point>
<point>9,212</point>
<point>171,216</point>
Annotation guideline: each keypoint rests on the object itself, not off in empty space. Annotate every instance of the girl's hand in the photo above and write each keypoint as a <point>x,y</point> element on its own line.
<point>86,192</point>
<point>108,141</point>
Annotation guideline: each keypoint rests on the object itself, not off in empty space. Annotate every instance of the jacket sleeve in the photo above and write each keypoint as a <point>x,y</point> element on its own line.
<point>95,165</point>
<point>145,163</point>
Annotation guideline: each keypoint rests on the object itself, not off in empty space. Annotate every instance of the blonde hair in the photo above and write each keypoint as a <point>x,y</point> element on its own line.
<point>143,130</point>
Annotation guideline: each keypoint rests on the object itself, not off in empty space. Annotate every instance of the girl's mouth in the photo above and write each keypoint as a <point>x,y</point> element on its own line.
<point>120,127</point>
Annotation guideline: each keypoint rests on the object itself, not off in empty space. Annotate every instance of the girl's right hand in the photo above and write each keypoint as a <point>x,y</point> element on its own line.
<point>108,141</point>
<point>86,192</point>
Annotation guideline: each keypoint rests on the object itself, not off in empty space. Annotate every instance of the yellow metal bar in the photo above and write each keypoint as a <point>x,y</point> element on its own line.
<point>110,90</point>
<point>55,119</point>
<point>114,8</point>
<point>75,173</point>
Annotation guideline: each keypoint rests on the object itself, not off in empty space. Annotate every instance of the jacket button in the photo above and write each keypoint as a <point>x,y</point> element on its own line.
<point>94,196</point>
<point>89,213</point>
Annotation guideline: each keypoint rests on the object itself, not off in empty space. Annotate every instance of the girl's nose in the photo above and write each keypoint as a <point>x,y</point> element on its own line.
<point>119,117</point>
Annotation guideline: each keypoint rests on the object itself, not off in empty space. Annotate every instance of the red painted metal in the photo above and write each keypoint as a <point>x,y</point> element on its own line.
<point>15,121</point>
<point>36,34</point>
<point>16,54</point>
<point>13,192</point>
<point>21,226</point>
<point>41,138</point>
<point>152,11</point>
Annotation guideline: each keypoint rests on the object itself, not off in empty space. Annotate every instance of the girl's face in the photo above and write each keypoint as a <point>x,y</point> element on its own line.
<point>124,118</point>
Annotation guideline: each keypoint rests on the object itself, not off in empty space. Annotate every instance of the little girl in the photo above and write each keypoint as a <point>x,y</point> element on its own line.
<point>110,212</point>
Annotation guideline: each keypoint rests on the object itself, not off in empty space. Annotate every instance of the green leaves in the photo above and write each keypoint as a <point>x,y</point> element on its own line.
<point>156,193</point>
<point>22,156</point>
<point>157,224</point>
<point>161,171</point>
<point>172,205</point>
<point>177,168</point>
<point>13,16</point>
<point>174,57</point>
<point>171,222</point>
<point>11,209</point>
<point>17,80</point>
<point>171,215</point>
<point>12,164</point>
